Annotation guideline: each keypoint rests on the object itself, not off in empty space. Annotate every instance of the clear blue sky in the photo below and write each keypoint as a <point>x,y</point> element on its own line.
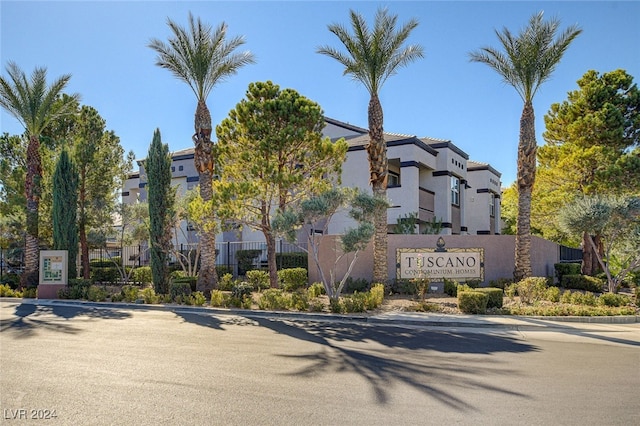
<point>104,46</point>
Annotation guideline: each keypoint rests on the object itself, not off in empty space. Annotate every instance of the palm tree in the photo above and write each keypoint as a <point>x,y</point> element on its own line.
<point>528,61</point>
<point>202,57</point>
<point>371,58</point>
<point>31,102</point>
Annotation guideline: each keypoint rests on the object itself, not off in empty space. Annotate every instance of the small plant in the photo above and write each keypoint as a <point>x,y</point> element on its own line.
<point>96,294</point>
<point>531,289</point>
<point>258,279</point>
<point>292,279</point>
<point>552,294</point>
<point>563,269</point>
<point>582,282</point>
<point>179,289</point>
<point>28,293</point>
<point>356,284</point>
<point>226,283</point>
<point>142,275</point>
<point>357,302</point>
<point>494,296</point>
<point>472,302</point>
<point>198,298</point>
<point>611,299</point>
<point>335,306</point>
<point>316,305</point>
<point>588,298</point>
<point>315,290</point>
<point>450,287</point>
<point>273,299</point>
<point>566,297</point>
<point>130,293</point>
<point>6,291</point>
<point>219,299</point>
<point>149,296</point>
<point>375,296</point>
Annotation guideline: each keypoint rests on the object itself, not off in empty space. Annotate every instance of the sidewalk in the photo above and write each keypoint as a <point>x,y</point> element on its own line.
<point>508,322</point>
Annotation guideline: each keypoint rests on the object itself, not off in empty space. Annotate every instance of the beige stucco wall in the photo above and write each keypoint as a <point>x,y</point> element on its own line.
<point>498,251</point>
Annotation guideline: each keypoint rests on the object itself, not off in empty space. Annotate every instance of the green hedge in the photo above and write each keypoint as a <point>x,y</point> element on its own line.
<point>293,278</point>
<point>582,282</point>
<point>105,274</point>
<point>472,302</point>
<point>495,296</point>
<point>142,275</point>
<point>563,269</point>
<point>292,260</point>
<point>245,260</point>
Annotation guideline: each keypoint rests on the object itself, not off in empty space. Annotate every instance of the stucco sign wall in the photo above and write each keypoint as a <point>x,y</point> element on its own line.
<point>440,262</point>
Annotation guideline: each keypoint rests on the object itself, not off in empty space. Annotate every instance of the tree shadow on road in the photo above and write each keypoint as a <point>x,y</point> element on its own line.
<point>30,318</point>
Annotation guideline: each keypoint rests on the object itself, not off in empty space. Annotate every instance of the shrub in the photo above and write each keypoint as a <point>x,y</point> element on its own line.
<point>404,287</point>
<point>502,283</point>
<point>335,306</point>
<point>375,296</point>
<point>6,291</point>
<point>356,284</point>
<point>105,275</point>
<point>28,293</point>
<point>226,282</point>
<point>223,269</point>
<point>552,294</point>
<point>566,297</point>
<point>563,269</point>
<point>76,289</point>
<point>473,283</point>
<point>273,299</point>
<point>198,298</point>
<point>316,305</point>
<point>316,289</point>
<point>299,301</point>
<point>356,302</point>
<point>582,282</point>
<point>245,260</point>
<point>130,293</point>
<point>241,291</point>
<point>142,275</point>
<point>472,302</point>
<point>258,279</point>
<point>181,289</point>
<point>293,278</point>
<point>11,279</point>
<point>218,298</point>
<point>292,260</point>
<point>105,262</point>
<point>494,296</point>
<point>588,298</point>
<point>610,299</point>
<point>451,287</point>
<point>186,279</point>
<point>96,294</point>
<point>149,296</point>
<point>531,289</point>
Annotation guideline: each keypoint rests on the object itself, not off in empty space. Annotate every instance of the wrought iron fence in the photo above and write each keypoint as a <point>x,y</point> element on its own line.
<point>568,254</point>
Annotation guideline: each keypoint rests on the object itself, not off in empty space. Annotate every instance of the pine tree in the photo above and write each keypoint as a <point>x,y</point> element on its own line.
<point>65,205</point>
<point>161,200</point>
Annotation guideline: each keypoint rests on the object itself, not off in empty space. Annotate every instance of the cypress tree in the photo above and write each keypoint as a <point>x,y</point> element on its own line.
<point>65,204</point>
<point>161,199</point>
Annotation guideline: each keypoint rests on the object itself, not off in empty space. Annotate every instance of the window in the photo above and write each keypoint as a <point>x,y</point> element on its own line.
<point>180,168</point>
<point>455,191</point>
<point>394,179</point>
<point>492,205</point>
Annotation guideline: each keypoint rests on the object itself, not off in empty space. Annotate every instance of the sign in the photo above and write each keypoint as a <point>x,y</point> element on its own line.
<point>53,267</point>
<point>438,263</point>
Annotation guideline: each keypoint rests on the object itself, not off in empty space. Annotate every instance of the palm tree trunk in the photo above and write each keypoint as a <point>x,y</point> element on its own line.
<point>378,168</point>
<point>33,178</point>
<point>203,159</point>
<point>526,177</point>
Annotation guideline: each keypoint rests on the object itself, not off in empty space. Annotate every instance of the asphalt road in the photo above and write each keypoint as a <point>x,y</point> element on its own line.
<point>92,366</point>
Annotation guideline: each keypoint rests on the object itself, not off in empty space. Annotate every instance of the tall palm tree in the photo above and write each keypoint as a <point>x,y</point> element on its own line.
<point>31,102</point>
<point>528,61</point>
<point>202,57</point>
<point>373,56</point>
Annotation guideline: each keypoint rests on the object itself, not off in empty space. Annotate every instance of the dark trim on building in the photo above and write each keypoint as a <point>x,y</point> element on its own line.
<point>142,184</point>
<point>345,125</point>
<point>183,157</point>
<point>464,229</point>
<point>452,147</point>
<point>193,178</point>
<point>484,167</point>
<point>414,141</point>
<point>426,190</point>
<point>441,173</point>
<point>125,193</point>
<point>482,190</point>
<point>409,164</point>
<point>447,225</point>
<point>483,232</point>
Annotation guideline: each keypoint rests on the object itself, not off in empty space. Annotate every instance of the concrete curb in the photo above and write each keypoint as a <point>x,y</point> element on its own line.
<point>391,318</point>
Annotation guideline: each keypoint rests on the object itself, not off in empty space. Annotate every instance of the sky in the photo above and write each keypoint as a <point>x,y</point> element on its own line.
<point>104,46</point>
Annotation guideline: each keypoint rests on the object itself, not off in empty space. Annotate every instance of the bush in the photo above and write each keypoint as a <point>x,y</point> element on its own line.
<point>245,260</point>
<point>258,279</point>
<point>77,289</point>
<point>531,289</point>
<point>356,302</point>
<point>130,293</point>
<point>610,299</point>
<point>242,291</point>
<point>293,278</point>
<point>105,262</point>
<point>273,299</point>
<point>223,269</point>
<point>552,294</point>
<point>566,297</point>
<point>451,287</point>
<point>316,305</point>
<point>502,283</point>
<point>198,298</point>
<point>375,296</point>
<point>473,283</point>
<point>179,289</point>
<point>292,260</point>
<point>226,283</point>
<point>299,301</point>
<point>404,287</point>
<point>186,279</point>
<point>316,289</point>
<point>563,269</point>
<point>588,298</point>
<point>96,294</point>
<point>472,302</point>
<point>105,275</point>
<point>11,279</point>
<point>356,284</point>
<point>7,291</point>
<point>494,296</point>
<point>582,282</point>
<point>149,296</point>
<point>142,275</point>
<point>218,298</point>
<point>335,306</point>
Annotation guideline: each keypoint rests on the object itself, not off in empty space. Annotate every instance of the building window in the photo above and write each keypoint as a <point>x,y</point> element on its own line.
<point>394,179</point>
<point>173,169</point>
<point>492,205</point>
<point>180,168</point>
<point>455,191</point>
